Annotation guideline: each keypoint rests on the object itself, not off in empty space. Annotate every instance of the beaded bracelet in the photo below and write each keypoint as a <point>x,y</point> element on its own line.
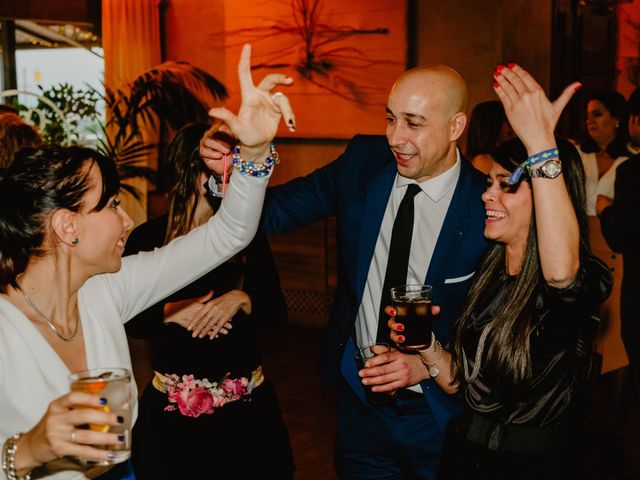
<point>9,458</point>
<point>255,169</point>
<point>530,162</point>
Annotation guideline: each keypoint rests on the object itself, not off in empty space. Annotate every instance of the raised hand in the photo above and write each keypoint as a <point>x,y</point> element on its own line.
<point>257,121</point>
<point>531,114</point>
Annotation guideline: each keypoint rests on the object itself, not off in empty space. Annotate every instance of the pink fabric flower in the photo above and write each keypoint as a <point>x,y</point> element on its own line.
<point>195,402</point>
<point>195,397</point>
<point>189,381</point>
<point>218,400</point>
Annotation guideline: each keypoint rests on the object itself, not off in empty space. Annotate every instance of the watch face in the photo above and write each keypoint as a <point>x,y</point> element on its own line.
<point>551,169</point>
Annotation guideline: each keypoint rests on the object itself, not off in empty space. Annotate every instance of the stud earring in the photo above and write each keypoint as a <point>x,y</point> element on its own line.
<point>75,241</point>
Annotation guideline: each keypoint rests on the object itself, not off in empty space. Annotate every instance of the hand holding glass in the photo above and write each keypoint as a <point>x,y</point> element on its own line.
<point>361,356</point>
<point>413,309</point>
<point>114,385</point>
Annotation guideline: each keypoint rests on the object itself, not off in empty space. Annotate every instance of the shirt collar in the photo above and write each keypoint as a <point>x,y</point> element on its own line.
<point>436,187</point>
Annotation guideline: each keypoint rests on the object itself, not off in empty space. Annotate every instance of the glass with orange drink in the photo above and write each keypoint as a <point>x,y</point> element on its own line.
<point>113,384</point>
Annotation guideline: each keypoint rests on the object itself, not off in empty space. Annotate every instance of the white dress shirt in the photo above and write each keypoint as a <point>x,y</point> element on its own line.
<point>431,206</point>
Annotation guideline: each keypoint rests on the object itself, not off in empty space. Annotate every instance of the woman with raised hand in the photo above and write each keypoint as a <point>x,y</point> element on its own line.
<point>65,292</point>
<point>523,342</point>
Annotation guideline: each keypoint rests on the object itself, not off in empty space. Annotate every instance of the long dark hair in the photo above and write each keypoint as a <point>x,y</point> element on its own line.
<point>616,104</point>
<point>181,169</point>
<point>508,354</point>
<point>486,122</point>
<point>38,182</point>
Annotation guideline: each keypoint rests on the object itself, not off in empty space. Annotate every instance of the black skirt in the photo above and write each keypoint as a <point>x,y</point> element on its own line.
<point>247,437</point>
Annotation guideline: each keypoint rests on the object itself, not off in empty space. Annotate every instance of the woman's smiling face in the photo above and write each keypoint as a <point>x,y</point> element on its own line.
<point>508,209</point>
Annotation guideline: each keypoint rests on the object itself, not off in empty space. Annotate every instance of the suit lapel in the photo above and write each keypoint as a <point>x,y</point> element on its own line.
<point>377,196</point>
<point>455,225</point>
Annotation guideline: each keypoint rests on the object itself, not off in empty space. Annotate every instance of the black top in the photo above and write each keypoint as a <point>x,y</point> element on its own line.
<point>563,325</point>
<point>621,229</point>
<point>174,350</point>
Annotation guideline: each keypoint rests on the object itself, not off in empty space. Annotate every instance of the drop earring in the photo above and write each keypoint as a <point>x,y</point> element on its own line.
<point>75,241</point>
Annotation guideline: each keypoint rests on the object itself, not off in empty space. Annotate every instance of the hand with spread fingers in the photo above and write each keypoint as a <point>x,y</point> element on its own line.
<point>531,114</point>
<point>260,112</point>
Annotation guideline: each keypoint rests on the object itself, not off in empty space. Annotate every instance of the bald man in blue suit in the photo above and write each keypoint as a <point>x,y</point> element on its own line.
<point>426,114</point>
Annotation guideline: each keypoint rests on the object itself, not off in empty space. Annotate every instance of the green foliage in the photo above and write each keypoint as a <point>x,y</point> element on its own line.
<point>166,97</point>
<point>79,106</point>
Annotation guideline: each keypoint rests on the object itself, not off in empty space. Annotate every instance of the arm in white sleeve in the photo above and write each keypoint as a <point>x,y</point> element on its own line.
<point>148,277</point>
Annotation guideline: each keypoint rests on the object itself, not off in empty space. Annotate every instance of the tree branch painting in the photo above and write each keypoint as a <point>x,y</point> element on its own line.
<point>345,52</point>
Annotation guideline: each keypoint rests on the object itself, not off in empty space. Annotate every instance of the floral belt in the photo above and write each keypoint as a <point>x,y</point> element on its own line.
<point>195,397</point>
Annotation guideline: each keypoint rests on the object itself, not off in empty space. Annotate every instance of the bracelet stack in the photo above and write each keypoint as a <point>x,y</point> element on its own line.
<point>9,457</point>
<point>530,162</point>
<point>255,169</point>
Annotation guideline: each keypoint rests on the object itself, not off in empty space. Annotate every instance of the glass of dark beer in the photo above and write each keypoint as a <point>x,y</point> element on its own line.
<point>362,355</point>
<point>413,309</point>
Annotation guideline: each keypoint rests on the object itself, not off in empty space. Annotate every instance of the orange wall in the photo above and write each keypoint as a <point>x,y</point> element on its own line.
<point>190,27</point>
<point>455,32</point>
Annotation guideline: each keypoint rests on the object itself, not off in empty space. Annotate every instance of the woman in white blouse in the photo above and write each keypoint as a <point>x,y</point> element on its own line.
<point>602,150</point>
<point>65,292</point>
<point>605,145</point>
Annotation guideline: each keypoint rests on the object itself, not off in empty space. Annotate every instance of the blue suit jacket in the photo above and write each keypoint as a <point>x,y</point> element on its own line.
<point>356,188</point>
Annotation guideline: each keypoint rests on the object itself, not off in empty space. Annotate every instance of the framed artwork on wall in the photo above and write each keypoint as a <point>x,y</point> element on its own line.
<point>343,56</point>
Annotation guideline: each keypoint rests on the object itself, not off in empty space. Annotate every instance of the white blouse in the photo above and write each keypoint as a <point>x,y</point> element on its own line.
<point>32,374</point>
<point>598,186</point>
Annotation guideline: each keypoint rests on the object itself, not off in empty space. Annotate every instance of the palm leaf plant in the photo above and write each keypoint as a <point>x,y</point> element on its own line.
<point>165,98</point>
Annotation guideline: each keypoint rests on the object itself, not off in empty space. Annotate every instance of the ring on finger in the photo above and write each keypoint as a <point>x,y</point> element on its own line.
<point>73,436</point>
<point>275,95</point>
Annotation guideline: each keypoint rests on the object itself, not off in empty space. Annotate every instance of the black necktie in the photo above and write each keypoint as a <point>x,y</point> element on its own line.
<point>398,262</point>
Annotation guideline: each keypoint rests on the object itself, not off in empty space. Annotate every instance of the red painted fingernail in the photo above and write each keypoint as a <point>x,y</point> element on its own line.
<point>400,338</point>
<point>578,87</point>
<point>496,74</point>
<point>511,65</point>
<point>392,312</point>
<point>400,327</point>
<point>499,67</point>
<point>496,84</point>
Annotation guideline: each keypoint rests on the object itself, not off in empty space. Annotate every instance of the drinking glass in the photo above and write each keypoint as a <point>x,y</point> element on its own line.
<point>413,309</point>
<point>113,384</point>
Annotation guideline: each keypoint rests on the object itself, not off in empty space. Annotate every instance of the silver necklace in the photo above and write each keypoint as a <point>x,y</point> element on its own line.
<point>471,377</point>
<point>45,318</point>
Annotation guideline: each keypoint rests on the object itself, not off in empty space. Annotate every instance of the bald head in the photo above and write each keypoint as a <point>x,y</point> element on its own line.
<point>442,84</point>
<point>426,114</point>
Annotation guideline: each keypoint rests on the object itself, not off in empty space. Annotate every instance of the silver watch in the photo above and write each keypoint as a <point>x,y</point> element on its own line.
<point>549,169</point>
